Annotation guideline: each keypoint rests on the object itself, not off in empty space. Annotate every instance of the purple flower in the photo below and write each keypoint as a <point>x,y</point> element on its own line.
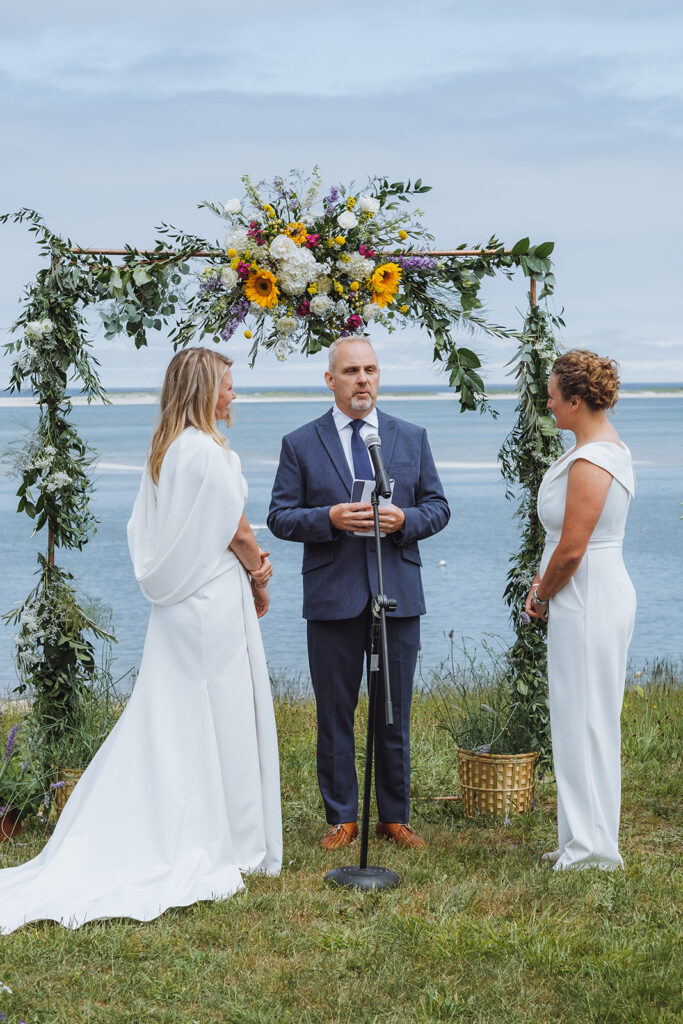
<point>415,262</point>
<point>210,284</point>
<point>57,785</point>
<point>11,740</point>
<point>237,315</point>
<point>294,204</point>
<point>483,749</point>
<point>331,200</point>
<point>525,619</point>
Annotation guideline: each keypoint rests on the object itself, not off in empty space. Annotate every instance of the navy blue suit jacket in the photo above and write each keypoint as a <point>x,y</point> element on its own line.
<point>339,569</point>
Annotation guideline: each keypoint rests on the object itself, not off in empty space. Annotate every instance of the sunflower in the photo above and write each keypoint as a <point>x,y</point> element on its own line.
<point>260,288</point>
<point>296,231</point>
<point>384,283</point>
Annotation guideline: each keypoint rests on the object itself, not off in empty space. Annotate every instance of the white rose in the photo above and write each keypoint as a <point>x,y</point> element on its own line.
<point>282,246</point>
<point>356,267</point>
<point>370,311</point>
<point>324,285</point>
<point>229,278</point>
<point>321,305</point>
<point>347,220</point>
<point>46,326</point>
<point>368,204</point>
<point>233,206</point>
<point>34,330</point>
<point>286,325</point>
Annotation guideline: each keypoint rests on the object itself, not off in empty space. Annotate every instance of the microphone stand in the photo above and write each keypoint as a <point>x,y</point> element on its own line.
<point>364,877</point>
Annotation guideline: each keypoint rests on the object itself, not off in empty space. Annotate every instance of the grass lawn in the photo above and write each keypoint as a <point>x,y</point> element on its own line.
<point>478,931</point>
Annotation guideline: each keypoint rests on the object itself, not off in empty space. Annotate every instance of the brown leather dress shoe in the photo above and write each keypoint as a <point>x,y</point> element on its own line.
<point>401,834</point>
<point>339,835</point>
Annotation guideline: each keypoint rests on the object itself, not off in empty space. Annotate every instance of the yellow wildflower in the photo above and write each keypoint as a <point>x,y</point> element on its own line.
<point>312,288</point>
<point>402,234</point>
<point>296,231</point>
<point>339,288</point>
<point>350,203</point>
<point>247,334</point>
<point>232,253</point>
<point>354,286</point>
<point>404,309</point>
<point>340,240</point>
<point>270,212</point>
<point>234,262</point>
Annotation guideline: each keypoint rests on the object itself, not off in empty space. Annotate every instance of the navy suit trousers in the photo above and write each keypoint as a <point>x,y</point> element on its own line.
<point>338,652</point>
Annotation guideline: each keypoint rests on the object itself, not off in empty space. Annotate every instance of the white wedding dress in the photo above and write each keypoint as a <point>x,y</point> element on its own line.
<point>184,795</point>
<point>590,623</point>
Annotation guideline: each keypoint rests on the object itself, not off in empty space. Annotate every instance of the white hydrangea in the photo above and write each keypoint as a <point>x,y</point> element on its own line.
<point>282,246</point>
<point>321,305</point>
<point>297,270</point>
<point>229,278</point>
<point>37,329</point>
<point>370,311</point>
<point>347,220</point>
<point>286,325</point>
<point>233,206</point>
<point>368,204</point>
<point>356,266</point>
<point>239,240</point>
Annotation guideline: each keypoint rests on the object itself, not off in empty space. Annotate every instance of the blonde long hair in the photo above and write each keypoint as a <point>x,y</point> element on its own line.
<point>188,399</point>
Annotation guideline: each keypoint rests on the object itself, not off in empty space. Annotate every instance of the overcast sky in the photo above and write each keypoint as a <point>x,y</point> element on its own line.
<point>561,121</point>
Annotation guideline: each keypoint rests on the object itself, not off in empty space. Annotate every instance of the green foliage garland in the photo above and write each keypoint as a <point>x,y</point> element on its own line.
<point>530,448</point>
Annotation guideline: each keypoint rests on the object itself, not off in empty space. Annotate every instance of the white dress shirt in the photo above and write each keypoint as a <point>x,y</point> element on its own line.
<point>342,421</point>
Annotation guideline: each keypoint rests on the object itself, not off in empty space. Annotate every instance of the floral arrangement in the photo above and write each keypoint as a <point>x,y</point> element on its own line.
<point>303,269</point>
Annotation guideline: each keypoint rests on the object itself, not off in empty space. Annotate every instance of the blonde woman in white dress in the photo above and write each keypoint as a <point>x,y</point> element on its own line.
<point>183,798</point>
<point>584,590</point>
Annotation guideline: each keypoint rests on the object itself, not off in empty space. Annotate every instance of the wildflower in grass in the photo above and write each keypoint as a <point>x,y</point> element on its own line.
<point>11,740</point>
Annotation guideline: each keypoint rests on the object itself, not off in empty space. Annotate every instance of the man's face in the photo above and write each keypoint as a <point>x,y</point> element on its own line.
<point>355,378</point>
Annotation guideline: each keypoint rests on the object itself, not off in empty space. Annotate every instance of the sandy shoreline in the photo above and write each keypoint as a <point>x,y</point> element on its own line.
<point>145,398</point>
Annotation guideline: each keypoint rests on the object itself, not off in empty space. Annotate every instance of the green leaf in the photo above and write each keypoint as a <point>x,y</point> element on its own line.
<point>521,247</point>
<point>140,276</point>
<point>544,249</point>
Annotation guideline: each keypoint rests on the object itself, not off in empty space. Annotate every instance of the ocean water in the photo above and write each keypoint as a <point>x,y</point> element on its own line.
<point>464,566</point>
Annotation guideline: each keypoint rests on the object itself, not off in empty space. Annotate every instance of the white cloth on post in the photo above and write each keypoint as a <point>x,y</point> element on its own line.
<point>184,795</point>
<point>590,623</point>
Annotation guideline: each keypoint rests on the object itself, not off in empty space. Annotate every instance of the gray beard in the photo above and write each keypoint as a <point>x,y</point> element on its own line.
<point>361,404</point>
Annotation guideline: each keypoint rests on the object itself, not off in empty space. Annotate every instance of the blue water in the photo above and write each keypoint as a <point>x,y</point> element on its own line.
<point>463,595</point>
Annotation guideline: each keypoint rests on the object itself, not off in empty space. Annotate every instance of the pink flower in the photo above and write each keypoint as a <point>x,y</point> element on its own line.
<point>354,321</point>
<point>365,251</point>
<point>304,308</point>
<point>312,241</point>
<point>243,269</point>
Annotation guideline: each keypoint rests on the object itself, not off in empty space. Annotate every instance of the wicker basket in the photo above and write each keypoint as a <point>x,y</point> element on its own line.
<point>496,783</point>
<point>69,777</point>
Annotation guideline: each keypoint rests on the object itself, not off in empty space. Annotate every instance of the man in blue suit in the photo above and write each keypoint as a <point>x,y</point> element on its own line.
<point>311,504</point>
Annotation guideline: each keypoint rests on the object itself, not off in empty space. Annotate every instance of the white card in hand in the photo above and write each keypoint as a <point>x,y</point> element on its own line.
<point>361,490</point>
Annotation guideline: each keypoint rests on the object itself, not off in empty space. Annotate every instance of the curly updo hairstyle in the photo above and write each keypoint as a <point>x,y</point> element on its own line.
<point>587,376</point>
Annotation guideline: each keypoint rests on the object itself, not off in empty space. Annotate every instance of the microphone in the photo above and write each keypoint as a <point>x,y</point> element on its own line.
<point>373,444</point>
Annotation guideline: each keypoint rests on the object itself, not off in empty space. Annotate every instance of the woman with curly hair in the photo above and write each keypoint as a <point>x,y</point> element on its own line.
<point>583,589</point>
<point>183,797</point>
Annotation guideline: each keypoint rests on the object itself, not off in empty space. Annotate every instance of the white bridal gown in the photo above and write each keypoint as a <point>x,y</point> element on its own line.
<point>590,623</point>
<point>184,794</point>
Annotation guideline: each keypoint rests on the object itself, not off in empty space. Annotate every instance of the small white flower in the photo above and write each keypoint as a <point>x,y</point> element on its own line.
<point>5,988</point>
<point>368,204</point>
<point>286,325</point>
<point>347,220</point>
<point>371,310</point>
<point>281,351</point>
<point>233,206</point>
<point>229,278</point>
<point>321,305</point>
<point>46,326</point>
<point>282,246</point>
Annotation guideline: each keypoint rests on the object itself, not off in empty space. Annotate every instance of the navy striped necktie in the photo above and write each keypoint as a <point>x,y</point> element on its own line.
<point>362,467</point>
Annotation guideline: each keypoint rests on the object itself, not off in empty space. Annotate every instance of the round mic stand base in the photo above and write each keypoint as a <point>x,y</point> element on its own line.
<point>366,879</point>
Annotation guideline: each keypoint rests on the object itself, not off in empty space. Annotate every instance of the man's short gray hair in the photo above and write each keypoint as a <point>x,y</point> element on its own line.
<point>334,347</point>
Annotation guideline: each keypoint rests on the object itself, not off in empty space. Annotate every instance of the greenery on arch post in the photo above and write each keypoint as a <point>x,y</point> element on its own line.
<point>532,445</point>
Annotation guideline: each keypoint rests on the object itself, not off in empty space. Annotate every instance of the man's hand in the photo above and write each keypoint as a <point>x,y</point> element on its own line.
<point>261,576</point>
<point>352,515</point>
<point>391,518</point>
